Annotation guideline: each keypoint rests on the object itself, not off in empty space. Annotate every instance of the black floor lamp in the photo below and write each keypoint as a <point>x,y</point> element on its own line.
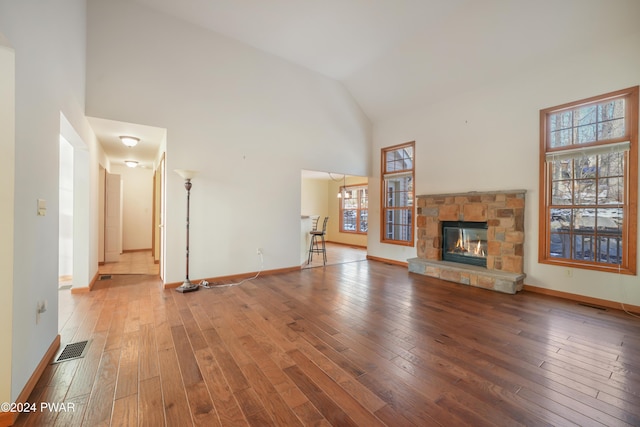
<point>187,286</point>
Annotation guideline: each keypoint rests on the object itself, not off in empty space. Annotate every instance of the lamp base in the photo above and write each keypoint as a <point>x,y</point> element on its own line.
<point>187,286</point>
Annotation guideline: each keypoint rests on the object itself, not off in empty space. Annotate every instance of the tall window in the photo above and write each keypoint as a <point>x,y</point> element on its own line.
<point>589,183</point>
<point>354,209</point>
<point>397,194</point>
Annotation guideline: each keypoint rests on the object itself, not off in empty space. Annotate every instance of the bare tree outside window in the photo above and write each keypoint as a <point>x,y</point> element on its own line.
<point>589,182</point>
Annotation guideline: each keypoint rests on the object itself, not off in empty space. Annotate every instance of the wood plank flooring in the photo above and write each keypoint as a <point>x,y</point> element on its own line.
<point>354,344</point>
<point>136,262</point>
<point>337,253</point>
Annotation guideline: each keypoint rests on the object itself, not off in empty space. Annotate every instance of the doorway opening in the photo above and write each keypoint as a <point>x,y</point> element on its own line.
<point>131,198</point>
<point>65,210</point>
<point>73,198</point>
<point>323,195</point>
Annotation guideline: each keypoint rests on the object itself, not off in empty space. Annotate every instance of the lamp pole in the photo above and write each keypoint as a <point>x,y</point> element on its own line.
<point>187,286</point>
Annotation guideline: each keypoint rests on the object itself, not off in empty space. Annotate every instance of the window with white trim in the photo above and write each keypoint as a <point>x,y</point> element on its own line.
<point>589,183</point>
<point>397,194</point>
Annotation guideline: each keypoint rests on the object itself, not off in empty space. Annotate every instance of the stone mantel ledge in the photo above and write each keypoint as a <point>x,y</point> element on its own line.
<point>480,277</point>
<point>472,193</point>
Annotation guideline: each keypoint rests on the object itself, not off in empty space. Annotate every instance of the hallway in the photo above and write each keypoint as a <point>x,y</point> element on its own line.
<point>138,262</point>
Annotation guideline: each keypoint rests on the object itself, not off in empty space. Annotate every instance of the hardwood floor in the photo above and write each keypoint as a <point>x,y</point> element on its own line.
<point>337,253</point>
<point>136,262</point>
<point>362,343</point>
<point>132,262</point>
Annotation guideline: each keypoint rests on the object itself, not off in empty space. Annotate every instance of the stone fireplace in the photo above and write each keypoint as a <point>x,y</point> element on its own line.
<point>500,248</point>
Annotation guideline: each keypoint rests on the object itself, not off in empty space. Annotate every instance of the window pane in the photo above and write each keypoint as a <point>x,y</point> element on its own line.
<point>562,169</point>
<point>583,219</point>
<point>585,115</point>
<point>350,201</point>
<point>614,109</point>
<point>610,191</point>
<point>562,182</point>
<point>611,164</point>
<point>561,138</point>
<point>397,224</point>
<point>583,247</point>
<point>611,119</point>
<point>561,120</point>
<point>560,245</point>
<point>585,167</point>
<point>560,219</point>
<point>585,192</point>
<point>399,191</point>
<point>399,160</point>
<point>609,249</point>
<point>349,220</point>
<point>562,193</point>
<point>610,220</point>
<point>584,134</point>
<point>364,223</point>
<point>364,198</point>
<point>611,129</point>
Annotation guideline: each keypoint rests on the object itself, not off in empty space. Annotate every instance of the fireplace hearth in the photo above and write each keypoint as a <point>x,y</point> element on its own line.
<point>453,247</point>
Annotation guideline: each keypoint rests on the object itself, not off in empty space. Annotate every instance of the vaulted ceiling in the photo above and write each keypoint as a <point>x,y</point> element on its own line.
<point>396,54</point>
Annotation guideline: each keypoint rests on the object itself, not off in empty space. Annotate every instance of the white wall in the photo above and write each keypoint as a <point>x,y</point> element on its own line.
<point>49,43</point>
<point>488,139</point>
<point>7,152</point>
<point>137,192</point>
<point>248,121</point>
<point>314,197</point>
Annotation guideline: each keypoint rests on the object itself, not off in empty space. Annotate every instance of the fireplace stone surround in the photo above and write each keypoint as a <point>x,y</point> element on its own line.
<point>504,213</point>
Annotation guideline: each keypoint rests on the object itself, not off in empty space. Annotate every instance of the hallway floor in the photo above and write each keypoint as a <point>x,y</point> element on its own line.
<point>139,262</point>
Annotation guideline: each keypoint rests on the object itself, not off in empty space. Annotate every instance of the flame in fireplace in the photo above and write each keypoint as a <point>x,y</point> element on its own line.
<point>464,245</point>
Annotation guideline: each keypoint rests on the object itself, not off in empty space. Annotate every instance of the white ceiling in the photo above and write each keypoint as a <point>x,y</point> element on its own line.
<point>334,37</point>
<point>394,55</point>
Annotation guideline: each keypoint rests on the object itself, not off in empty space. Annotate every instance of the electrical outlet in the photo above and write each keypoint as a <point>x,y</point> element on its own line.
<point>569,272</point>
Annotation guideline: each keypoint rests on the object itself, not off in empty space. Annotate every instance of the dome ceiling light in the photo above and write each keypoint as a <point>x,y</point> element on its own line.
<point>129,141</point>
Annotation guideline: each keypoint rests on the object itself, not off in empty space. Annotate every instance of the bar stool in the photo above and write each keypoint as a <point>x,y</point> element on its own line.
<point>314,222</point>
<point>318,247</point>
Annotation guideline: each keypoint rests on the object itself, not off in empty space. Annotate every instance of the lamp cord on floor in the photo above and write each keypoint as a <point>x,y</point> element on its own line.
<point>207,285</point>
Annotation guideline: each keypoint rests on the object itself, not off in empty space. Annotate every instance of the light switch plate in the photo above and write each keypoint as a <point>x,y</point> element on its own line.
<point>42,207</point>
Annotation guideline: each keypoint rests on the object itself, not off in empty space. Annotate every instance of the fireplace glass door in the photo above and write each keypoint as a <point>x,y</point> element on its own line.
<point>465,242</point>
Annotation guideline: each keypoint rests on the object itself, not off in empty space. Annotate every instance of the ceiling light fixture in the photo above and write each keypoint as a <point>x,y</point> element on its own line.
<point>129,141</point>
<point>343,189</point>
<point>131,163</point>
